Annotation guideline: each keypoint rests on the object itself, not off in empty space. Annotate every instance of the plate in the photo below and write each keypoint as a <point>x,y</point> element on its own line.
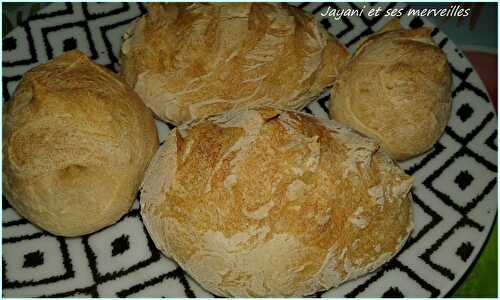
<point>455,194</point>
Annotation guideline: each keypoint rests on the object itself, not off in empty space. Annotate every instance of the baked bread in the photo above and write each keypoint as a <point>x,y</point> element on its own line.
<point>188,61</point>
<point>396,89</point>
<point>76,143</point>
<point>268,203</point>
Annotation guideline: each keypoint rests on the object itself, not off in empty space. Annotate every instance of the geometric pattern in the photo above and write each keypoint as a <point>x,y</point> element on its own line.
<point>454,194</point>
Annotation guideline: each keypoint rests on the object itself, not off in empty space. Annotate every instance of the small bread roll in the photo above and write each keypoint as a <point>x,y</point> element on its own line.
<point>267,203</point>
<point>76,144</point>
<point>188,61</point>
<point>395,89</point>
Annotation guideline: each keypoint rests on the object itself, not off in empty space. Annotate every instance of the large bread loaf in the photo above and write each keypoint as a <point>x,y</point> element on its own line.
<point>270,203</point>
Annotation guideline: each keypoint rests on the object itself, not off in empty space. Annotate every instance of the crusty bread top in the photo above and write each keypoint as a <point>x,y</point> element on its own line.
<point>77,141</point>
<point>396,88</point>
<point>263,203</point>
<point>188,61</point>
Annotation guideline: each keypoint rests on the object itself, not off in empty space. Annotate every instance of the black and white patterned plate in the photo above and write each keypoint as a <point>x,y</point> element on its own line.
<point>455,195</point>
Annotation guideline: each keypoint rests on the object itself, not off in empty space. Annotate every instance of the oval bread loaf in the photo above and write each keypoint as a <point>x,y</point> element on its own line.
<point>188,61</point>
<point>76,144</point>
<point>268,203</point>
<point>396,89</point>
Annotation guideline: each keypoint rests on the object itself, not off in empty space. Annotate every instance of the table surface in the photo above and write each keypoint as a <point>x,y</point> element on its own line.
<point>477,36</point>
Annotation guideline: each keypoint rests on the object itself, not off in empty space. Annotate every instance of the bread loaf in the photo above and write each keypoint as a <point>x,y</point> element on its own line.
<point>396,89</point>
<point>76,144</point>
<point>268,203</point>
<point>188,61</point>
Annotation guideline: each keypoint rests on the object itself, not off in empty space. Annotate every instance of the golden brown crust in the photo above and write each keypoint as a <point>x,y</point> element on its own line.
<point>76,144</point>
<point>188,61</point>
<point>396,88</point>
<point>270,203</point>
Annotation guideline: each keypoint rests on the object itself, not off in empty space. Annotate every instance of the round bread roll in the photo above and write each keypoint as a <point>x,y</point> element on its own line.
<point>76,144</point>
<point>395,89</point>
<point>188,61</point>
<point>266,203</point>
